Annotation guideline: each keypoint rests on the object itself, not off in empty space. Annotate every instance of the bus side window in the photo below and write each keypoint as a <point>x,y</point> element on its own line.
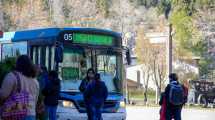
<point>7,50</point>
<point>39,55</point>
<point>52,58</point>
<point>43,55</point>
<point>47,56</point>
<point>36,55</point>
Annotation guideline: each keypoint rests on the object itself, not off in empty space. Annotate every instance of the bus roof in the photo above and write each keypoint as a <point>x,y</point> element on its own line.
<point>43,33</point>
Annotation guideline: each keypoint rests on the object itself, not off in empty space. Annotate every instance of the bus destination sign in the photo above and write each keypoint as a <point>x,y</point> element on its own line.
<point>83,38</point>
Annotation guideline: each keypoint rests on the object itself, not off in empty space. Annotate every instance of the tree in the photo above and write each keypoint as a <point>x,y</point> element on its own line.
<point>6,66</point>
<point>146,75</point>
<point>185,15</point>
<point>159,69</point>
<point>152,59</point>
<point>144,58</point>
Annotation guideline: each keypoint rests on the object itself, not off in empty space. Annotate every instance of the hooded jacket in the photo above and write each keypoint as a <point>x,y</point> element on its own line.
<point>96,93</point>
<point>52,93</point>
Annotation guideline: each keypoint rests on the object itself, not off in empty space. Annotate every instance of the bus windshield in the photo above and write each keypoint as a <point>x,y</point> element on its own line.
<point>77,61</point>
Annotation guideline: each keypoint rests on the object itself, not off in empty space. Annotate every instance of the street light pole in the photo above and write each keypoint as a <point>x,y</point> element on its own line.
<point>169,51</point>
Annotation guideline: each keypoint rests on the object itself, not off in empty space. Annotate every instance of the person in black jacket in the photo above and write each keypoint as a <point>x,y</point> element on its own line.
<point>96,93</point>
<point>90,77</point>
<point>51,93</point>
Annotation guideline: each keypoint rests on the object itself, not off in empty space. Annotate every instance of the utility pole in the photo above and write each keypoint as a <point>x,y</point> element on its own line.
<point>169,51</point>
<point>126,92</point>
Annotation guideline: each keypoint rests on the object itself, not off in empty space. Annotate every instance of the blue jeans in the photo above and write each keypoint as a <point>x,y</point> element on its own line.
<point>93,112</point>
<point>30,118</point>
<point>52,112</point>
<point>97,113</point>
<point>173,113</point>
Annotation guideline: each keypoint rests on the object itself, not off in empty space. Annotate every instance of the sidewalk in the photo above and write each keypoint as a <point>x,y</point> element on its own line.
<point>152,113</point>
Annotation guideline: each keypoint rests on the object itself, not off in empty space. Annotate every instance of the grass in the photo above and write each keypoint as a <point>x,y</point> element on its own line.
<point>137,97</point>
<point>138,94</point>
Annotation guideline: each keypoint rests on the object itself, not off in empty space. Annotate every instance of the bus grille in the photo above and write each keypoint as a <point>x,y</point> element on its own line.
<point>108,104</point>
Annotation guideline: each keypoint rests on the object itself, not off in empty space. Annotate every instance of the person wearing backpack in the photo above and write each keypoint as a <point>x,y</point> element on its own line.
<point>174,94</point>
<point>96,93</point>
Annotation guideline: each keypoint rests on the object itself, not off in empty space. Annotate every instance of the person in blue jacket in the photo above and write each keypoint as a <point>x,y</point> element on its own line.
<point>52,94</point>
<point>96,93</point>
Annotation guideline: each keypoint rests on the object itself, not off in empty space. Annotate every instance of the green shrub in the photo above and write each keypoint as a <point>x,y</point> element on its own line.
<point>103,6</point>
<point>146,3</point>
<point>46,5</point>
<point>66,10</point>
<point>8,23</point>
<point>140,94</point>
<point>6,66</point>
<point>18,2</point>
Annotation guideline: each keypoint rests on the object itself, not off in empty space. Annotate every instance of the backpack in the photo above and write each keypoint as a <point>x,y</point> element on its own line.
<point>176,94</point>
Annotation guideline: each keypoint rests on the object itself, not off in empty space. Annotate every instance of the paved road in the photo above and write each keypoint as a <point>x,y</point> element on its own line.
<point>152,113</point>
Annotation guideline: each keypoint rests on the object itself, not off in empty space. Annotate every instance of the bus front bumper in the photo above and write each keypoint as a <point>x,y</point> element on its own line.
<point>72,114</point>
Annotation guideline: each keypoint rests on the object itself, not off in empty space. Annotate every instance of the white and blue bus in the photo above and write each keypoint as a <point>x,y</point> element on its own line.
<point>83,48</point>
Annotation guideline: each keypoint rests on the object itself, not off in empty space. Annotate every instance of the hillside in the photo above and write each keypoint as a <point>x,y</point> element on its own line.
<point>193,20</point>
<point>119,15</point>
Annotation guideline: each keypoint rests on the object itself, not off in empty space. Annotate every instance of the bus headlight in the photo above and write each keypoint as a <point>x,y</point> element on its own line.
<point>67,104</point>
<point>122,104</point>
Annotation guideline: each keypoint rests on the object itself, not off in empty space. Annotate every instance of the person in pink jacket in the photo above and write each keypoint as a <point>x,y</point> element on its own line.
<point>26,72</point>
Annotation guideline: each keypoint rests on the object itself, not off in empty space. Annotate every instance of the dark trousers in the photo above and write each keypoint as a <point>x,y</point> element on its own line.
<point>97,113</point>
<point>94,113</point>
<point>89,112</point>
<point>173,113</point>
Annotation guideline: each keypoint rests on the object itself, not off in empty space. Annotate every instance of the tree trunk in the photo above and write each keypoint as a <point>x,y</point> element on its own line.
<point>156,81</point>
<point>146,95</point>
<point>158,93</point>
<point>146,82</point>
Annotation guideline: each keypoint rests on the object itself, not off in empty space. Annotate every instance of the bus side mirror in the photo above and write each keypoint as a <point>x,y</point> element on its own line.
<point>59,53</point>
<point>128,57</point>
